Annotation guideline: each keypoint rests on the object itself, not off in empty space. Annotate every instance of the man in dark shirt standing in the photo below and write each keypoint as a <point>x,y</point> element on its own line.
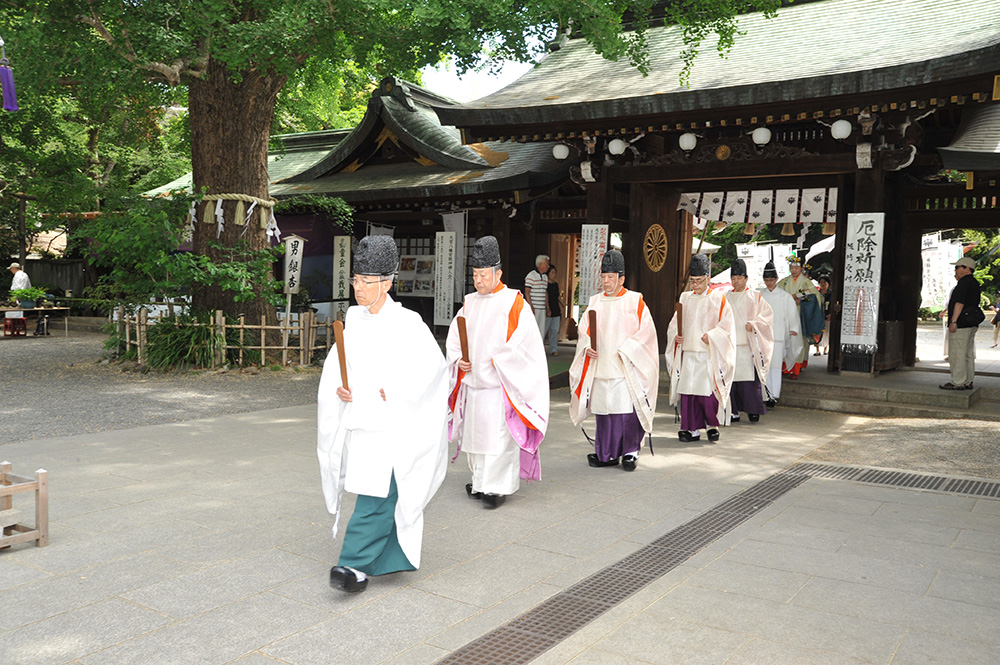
<point>961,331</point>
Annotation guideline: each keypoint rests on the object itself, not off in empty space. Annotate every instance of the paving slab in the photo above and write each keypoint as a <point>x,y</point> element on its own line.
<point>206,541</point>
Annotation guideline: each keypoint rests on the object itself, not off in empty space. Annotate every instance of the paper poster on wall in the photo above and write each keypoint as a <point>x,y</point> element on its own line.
<point>341,268</point>
<point>862,280</point>
<point>416,276</point>
<point>593,245</point>
<point>456,222</point>
<point>444,277</point>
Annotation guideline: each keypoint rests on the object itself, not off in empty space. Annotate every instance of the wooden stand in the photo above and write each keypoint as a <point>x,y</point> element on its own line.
<point>10,484</point>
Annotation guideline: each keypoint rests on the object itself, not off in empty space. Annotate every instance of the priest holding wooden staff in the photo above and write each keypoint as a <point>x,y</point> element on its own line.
<point>754,337</point>
<point>382,433</point>
<point>499,389</point>
<point>616,371</point>
<point>701,356</point>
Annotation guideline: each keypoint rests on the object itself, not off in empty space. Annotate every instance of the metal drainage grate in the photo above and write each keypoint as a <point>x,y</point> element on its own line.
<point>541,628</point>
<point>974,487</point>
<point>826,471</point>
<point>901,479</point>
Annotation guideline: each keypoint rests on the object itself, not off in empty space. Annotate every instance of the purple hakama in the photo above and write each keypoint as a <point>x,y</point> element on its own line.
<point>746,396</point>
<point>617,434</point>
<point>699,412</point>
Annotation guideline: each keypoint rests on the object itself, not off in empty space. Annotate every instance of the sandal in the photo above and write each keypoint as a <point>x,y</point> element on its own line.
<point>950,386</point>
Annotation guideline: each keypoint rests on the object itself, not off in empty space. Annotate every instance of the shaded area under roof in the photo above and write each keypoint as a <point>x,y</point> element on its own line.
<point>815,50</point>
<point>976,146</point>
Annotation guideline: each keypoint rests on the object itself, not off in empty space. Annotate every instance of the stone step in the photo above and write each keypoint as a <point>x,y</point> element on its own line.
<point>986,410</point>
<point>952,399</point>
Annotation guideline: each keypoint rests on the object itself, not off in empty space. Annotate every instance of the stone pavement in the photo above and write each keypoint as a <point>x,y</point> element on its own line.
<point>207,542</point>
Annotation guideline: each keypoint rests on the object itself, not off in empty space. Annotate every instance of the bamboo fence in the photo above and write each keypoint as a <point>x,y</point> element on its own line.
<point>305,337</point>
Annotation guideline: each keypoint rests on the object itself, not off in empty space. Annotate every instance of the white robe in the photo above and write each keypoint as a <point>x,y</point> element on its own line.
<point>785,320</point>
<point>362,443</point>
<point>711,365</point>
<point>504,400</point>
<point>626,375</point>
<point>753,348</point>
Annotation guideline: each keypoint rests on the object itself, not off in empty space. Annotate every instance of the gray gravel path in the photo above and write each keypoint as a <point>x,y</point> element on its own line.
<point>952,447</point>
<point>55,386</point>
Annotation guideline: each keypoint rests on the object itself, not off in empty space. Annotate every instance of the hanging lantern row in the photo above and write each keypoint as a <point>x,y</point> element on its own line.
<point>7,80</point>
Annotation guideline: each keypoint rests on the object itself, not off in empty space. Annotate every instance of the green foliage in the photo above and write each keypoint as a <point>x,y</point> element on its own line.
<point>138,251</point>
<point>334,208</point>
<point>32,293</point>
<point>987,254</point>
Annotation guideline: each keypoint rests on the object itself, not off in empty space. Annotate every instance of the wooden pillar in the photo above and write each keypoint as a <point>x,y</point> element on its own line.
<point>650,205</point>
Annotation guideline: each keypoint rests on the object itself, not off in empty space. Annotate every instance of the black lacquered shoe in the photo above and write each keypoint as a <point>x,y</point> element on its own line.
<point>754,417</point>
<point>771,403</point>
<point>713,435</point>
<point>346,580</point>
<point>493,500</point>
<point>628,462</point>
<point>472,495</point>
<point>593,461</point>
<point>687,437</point>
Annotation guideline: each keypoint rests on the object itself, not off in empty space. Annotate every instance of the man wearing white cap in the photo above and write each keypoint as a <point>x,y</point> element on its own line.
<point>21,280</point>
<point>964,317</point>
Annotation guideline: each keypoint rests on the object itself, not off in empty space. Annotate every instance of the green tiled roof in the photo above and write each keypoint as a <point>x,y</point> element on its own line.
<point>314,162</point>
<point>301,151</point>
<point>813,50</point>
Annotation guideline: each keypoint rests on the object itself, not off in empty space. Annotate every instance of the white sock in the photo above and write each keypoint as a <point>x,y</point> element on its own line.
<point>357,573</point>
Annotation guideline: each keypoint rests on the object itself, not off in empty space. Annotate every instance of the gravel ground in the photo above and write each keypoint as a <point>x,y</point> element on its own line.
<point>56,386</point>
<point>952,447</point>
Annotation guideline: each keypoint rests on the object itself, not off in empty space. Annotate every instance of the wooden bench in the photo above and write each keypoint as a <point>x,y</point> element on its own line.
<point>12,533</point>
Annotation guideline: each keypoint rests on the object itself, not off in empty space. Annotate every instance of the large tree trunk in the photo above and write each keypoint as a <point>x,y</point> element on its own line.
<point>230,128</point>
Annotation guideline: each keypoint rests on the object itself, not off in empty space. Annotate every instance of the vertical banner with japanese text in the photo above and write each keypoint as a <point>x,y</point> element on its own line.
<point>444,277</point>
<point>862,280</point>
<point>457,221</point>
<point>341,276</point>
<point>593,245</point>
<point>294,251</point>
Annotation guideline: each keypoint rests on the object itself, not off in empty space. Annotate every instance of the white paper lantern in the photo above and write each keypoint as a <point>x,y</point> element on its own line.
<point>841,129</point>
<point>687,141</point>
<point>761,136</point>
<point>560,151</point>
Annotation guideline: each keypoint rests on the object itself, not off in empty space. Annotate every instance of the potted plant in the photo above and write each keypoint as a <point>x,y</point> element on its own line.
<point>27,297</point>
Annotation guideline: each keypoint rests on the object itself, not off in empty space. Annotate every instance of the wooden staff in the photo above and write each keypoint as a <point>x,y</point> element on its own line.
<point>463,337</point>
<point>338,338</point>
<point>679,308</point>
<point>593,329</point>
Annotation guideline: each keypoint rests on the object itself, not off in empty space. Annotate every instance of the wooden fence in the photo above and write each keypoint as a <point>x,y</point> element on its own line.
<point>302,338</point>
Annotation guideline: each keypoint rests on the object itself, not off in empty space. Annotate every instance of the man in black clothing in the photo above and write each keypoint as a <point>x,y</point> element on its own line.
<point>962,329</point>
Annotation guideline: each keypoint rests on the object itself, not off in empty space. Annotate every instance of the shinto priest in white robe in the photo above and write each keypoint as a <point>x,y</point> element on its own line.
<point>753,347</point>
<point>500,409</point>
<point>785,320</point>
<point>697,368</point>
<point>364,443</point>
<point>626,375</point>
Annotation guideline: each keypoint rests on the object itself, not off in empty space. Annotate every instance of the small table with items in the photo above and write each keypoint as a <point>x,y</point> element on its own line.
<point>15,319</point>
